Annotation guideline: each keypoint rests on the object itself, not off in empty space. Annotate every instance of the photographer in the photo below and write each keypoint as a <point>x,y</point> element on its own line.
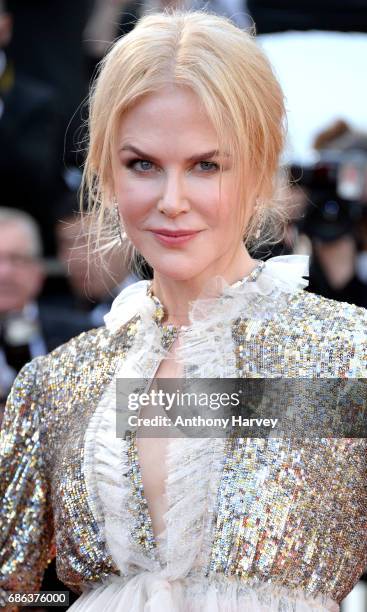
<point>335,217</point>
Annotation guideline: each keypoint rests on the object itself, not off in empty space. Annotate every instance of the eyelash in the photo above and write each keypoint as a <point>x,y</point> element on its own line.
<point>132,163</point>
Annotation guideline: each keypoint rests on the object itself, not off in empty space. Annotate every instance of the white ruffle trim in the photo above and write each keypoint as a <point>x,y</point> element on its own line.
<point>188,461</point>
<point>150,592</point>
<point>110,484</point>
<point>283,274</point>
<point>204,349</point>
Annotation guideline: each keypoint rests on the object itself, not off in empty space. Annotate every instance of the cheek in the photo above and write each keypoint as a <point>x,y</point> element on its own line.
<point>134,214</point>
<point>134,201</point>
<point>226,210</point>
<point>214,206</point>
<point>232,208</point>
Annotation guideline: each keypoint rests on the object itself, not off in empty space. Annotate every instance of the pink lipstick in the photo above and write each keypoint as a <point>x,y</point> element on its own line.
<point>174,237</point>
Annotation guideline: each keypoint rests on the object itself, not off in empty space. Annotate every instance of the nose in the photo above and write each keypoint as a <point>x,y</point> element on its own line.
<point>173,200</point>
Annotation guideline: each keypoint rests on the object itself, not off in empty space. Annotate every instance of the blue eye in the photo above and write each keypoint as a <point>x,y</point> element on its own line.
<point>140,165</point>
<point>208,166</point>
<point>144,166</point>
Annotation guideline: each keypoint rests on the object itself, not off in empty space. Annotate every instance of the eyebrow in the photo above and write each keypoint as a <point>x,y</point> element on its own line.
<point>193,158</point>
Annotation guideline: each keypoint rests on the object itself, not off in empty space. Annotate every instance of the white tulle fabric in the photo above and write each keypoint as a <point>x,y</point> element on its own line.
<point>283,274</point>
<point>172,579</point>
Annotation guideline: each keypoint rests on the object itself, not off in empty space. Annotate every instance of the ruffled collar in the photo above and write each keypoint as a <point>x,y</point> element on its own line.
<point>211,287</point>
<point>283,274</point>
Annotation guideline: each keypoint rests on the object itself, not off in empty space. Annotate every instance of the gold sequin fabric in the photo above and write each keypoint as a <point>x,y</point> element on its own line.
<point>288,513</point>
<point>142,531</point>
<point>310,336</point>
<point>26,518</point>
<point>41,464</point>
<point>293,513</point>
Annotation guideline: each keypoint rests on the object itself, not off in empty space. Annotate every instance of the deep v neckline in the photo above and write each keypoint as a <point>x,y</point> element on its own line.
<point>143,532</point>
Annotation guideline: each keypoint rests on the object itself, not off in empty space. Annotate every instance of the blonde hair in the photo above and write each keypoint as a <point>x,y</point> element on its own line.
<point>235,83</point>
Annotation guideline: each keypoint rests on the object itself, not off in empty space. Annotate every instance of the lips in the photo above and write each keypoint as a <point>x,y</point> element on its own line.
<point>174,233</point>
<point>173,238</point>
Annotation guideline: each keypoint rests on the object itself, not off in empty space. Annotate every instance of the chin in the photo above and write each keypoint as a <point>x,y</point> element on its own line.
<point>177,274</point>
<point>184,271</point>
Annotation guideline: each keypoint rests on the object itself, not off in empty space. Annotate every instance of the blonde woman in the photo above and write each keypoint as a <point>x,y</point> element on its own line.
<point>186,129</point>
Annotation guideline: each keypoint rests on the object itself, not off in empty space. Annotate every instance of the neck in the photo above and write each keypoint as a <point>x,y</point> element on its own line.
<point>176,295</point>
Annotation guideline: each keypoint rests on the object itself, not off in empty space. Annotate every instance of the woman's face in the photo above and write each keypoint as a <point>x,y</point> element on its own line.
<point>166,182</point>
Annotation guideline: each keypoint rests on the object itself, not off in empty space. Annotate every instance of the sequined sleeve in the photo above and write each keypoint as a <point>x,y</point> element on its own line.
<point>25,508</point>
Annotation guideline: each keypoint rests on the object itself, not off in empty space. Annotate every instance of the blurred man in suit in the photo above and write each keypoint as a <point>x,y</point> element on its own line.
<point>26,329</point>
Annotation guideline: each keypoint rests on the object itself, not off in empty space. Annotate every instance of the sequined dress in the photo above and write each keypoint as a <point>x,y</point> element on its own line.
<point>252,524</point>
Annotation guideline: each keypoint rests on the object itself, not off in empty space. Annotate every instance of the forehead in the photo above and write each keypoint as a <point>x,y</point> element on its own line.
<point>171,115</point>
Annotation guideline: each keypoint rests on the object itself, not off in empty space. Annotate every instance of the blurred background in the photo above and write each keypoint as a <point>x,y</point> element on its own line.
<point>49,52</point>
